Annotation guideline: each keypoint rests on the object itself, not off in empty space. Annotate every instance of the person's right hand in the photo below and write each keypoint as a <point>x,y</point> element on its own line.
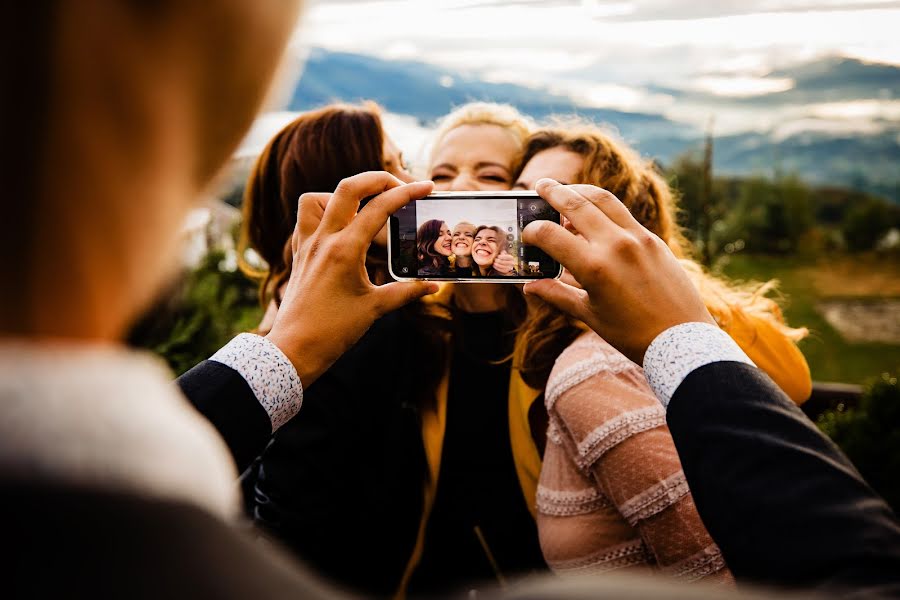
<point>634,287</point>
<point>505,264</point>
<point>329,301</point>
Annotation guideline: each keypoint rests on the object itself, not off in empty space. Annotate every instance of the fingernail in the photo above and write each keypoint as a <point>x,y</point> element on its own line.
<point>545,181</point>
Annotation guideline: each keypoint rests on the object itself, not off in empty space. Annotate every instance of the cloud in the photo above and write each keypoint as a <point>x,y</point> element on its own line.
<point>611,42</point>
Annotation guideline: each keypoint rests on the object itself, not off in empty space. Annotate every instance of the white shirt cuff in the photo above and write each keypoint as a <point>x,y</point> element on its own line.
<point>268,372</point>
<point>679,350</point>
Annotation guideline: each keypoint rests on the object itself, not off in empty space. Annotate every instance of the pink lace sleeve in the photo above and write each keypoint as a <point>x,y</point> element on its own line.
<point>611,431</point>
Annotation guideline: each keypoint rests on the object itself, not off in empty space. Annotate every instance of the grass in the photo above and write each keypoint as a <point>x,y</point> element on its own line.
<point>805,282</point>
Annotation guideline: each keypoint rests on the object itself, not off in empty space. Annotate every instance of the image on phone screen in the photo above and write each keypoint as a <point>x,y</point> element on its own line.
<point>470,237</point>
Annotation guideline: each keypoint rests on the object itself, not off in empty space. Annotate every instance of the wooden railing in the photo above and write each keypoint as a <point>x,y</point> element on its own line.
<point>829,395</point>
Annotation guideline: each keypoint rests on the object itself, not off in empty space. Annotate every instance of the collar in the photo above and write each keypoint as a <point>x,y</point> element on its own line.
<point>101,415</point>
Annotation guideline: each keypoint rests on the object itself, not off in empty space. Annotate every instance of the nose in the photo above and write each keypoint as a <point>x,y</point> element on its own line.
<point>464,182</point>
<point>404,176</point>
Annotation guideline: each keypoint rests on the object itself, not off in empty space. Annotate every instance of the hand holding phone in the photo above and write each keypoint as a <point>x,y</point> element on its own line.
<point>505,264</point>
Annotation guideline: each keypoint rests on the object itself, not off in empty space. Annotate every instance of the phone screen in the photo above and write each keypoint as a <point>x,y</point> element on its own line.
<point>470,237</point>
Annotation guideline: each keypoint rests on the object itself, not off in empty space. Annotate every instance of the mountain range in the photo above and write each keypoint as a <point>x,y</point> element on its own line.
<point>793,130</point>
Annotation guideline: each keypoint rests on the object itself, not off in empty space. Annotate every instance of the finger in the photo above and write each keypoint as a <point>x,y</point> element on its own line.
<point>381,237</point>
<point>344,202</point>
<point>310,209</point>
<point>582,213</point>
<point>569,279</point>
<point>560,244</point>
<point>611,206</point>
<point>373,217</point>
<point>392,296</point>
<point>566,298</point>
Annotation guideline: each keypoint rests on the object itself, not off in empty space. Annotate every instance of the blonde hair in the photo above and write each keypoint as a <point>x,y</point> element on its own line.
<point>483,113</point>
<point>611,164</point>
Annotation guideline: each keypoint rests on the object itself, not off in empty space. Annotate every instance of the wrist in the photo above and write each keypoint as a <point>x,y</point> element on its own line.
<point>300,351</point>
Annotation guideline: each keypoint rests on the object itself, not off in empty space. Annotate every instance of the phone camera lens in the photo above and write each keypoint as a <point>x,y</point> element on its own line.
<point>533,207</point>
<point>404,270</point>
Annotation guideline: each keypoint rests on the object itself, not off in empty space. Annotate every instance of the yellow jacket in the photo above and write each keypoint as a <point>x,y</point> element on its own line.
<point>766,346</point>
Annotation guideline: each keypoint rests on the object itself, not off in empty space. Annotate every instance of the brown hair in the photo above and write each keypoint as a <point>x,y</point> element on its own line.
<point>612,165</point>
<point>311,154</point>
<point>426,236</point>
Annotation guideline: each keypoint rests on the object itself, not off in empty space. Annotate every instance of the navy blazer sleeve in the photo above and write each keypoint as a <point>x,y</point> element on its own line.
<point>786,507</point>
<point>224,397</point>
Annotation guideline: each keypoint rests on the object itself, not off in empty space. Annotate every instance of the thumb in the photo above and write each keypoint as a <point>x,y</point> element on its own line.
<point>392,296</point>
<point>565,297</point>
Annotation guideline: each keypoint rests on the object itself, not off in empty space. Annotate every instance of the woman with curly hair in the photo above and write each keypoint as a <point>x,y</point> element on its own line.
<point>612,494</point>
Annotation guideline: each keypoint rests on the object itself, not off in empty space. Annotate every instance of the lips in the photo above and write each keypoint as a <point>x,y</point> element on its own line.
<point>446,245</point>
<point>482,252</point>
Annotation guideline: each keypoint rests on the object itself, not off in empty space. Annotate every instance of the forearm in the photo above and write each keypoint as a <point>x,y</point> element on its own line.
<point>783,503</point>
<point>247,390</point>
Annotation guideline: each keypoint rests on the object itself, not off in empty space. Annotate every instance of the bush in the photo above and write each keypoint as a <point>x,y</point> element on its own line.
<point>199,314</point>
<point>870,436</point>
<point>866,223</point>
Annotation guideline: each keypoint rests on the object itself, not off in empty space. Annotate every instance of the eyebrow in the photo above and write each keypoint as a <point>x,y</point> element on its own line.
<point>491,164</point>
<point>480,165</point>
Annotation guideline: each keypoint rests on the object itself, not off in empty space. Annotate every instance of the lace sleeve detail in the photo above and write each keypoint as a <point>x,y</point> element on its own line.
<point>268,372</point>
<point>612,429</point>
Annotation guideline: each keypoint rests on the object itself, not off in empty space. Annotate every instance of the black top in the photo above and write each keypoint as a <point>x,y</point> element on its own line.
<point>341,484</point>
<point>478,486</point>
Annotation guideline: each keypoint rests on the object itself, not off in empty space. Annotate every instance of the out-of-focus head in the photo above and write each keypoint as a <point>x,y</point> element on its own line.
<point>313,153</point>
<point>588,154</point>
<point>475,146</point>
<point>463,238</point>
<point>127,110</point>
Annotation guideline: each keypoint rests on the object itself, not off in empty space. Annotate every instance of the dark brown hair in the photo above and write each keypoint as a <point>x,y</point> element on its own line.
<point>426,236</point>
<point>311,154</point>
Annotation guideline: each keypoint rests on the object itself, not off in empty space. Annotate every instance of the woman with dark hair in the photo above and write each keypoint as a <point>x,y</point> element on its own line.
<point>433,240</point>
<point>313,153</point>
<point>490,244</point>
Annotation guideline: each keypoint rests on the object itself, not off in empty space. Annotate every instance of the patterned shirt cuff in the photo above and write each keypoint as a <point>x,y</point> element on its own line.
<point>268,372</point>
<point>681,349</point>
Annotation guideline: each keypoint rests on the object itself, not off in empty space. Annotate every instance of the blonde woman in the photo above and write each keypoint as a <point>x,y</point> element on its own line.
<point>612,493</point>
<point>430,419</point>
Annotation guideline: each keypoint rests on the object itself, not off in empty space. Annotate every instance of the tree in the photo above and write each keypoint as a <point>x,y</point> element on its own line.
<point>865,223</point>
<point>701,203</point>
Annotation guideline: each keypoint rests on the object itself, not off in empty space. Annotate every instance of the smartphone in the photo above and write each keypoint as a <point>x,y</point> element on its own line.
<point>469,237</point>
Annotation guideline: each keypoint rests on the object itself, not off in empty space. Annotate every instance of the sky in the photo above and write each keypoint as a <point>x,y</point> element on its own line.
<point>719,46</point>
<point>613,53</point>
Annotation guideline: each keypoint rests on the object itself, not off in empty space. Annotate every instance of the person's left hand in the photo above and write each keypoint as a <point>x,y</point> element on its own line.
<point>505,263</point>
<point>329,301</point>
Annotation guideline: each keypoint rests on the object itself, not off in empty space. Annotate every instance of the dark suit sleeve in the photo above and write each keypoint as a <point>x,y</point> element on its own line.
<point>224,397</point>
<point>783,503</point>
